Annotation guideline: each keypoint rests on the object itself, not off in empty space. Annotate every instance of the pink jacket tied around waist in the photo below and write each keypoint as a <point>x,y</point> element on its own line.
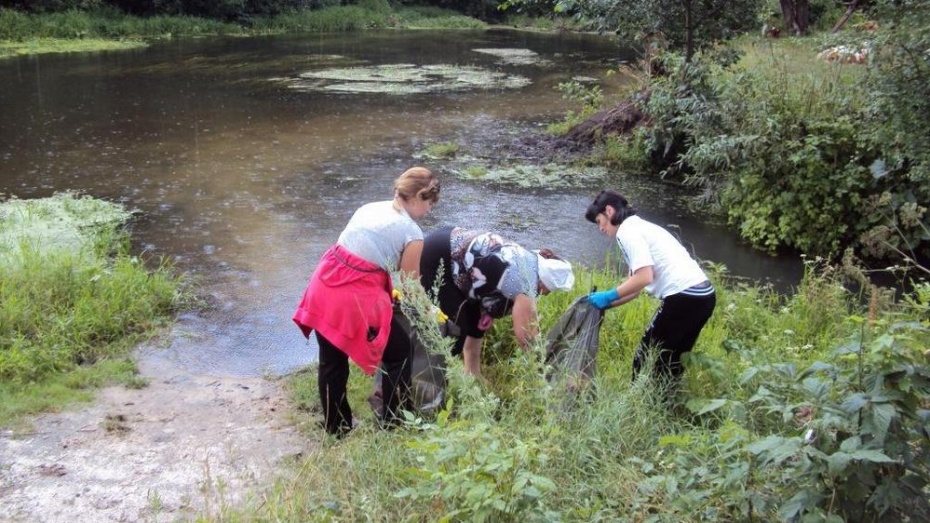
<point>348,301</point>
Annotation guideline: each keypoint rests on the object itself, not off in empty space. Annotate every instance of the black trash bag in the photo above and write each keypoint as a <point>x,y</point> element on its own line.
<point>571,353</point>
<point>428,374</point>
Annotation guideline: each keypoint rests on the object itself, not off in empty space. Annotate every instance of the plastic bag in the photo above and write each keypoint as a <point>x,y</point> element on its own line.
<point>571,352</point>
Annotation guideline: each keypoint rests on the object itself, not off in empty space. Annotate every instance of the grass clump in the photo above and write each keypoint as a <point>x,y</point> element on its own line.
<point>440,151</point>
<point>431,17</point>
<point>74,301</point>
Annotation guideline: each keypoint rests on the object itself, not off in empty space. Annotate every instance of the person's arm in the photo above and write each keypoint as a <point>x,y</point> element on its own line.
<point>471,356</point>
<point>628,290</point>
<point>525,320</point>
<point>410,259</point>
<point>635,284</point>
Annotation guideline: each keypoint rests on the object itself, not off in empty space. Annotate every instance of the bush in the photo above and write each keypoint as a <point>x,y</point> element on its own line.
<point>777,142</point>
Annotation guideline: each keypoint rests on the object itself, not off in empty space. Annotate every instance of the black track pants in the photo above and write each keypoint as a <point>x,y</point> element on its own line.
<point>673,331</point>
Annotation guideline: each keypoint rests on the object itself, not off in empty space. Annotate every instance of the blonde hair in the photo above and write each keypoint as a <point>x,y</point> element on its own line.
<point>417,182</point>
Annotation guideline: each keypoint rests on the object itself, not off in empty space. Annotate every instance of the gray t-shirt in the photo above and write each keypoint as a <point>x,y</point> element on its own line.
<point>379,233</point>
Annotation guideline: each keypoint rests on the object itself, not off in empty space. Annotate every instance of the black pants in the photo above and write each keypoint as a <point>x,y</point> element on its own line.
<point>465,313</point>
<point>333,376</point>
<point>673,331</point>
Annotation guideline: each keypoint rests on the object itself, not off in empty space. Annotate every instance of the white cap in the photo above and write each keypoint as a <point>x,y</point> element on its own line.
<point>556,275</point>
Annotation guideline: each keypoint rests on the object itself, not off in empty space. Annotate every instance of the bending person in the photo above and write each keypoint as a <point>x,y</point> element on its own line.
<point>348,300</point>
<point>484,276</point>
<point>661,266</point>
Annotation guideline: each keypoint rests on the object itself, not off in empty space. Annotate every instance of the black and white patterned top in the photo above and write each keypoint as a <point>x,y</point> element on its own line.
<point>493,270</point>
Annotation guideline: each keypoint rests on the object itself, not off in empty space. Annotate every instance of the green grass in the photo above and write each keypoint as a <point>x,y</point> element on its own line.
<point>59,45</point>
<point>74,31</point>
<point>514,449</point>
<point>74,302</point>
<point>428,17</point>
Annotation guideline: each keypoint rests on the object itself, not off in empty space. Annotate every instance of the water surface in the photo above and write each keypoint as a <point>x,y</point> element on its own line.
<point>244,182</point>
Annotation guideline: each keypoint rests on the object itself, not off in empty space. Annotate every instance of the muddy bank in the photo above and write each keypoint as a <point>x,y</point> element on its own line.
<point>185,445</point>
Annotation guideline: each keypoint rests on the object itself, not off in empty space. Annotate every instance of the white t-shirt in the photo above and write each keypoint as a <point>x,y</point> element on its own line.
<point>378,233</point>
<point>644,243</point>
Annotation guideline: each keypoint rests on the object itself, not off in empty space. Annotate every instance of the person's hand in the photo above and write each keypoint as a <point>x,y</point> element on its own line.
<point>603,300</point>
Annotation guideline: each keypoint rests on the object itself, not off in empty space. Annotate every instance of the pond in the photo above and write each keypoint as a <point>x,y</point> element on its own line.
<point>246,156</point>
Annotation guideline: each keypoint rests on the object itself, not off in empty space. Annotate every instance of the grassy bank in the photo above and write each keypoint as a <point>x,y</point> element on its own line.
<point>73,302</point>
<point>808,404</point>
<point>76,31</point>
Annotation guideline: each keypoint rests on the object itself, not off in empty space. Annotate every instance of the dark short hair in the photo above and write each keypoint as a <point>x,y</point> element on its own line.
<point>615,200</point>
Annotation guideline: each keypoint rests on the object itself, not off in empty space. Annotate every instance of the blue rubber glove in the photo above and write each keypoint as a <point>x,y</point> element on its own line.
<point>603,299</point>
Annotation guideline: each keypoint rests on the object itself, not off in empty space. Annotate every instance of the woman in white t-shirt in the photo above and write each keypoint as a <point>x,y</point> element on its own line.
<point>661,266</point>
<point>348,299</point>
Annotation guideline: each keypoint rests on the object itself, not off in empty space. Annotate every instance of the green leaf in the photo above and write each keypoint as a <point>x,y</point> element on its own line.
<point>882,414</point>
<point>837,463</point>
<point>800,503</point>
<point>699,407</point>
<point>851,444</point>
<point>850,348</point>
<point>854,402</point>
<point>816,367</point>
<point>775,448</point>
<point>873,456</point>
<point>817,388</point>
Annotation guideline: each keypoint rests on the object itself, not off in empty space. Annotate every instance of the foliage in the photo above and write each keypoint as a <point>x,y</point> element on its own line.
<point>427,17</point>
<point>486,10</point>
<point>683,25</point>
<point>476,471</point>
<point>242,12</point>
<point>865,449</point>
<point>66,310</point>
<point>590,98</point>
<point>17,27</point>
<point>777,142</point>
<point>677,102</point>
<point>622,153</point>
<point>844,439</point>
<point>897,115</point>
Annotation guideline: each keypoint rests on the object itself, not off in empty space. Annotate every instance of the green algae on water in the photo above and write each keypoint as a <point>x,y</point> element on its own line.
<point>403,79</point>
<point>62,224</point>
<point>508,56</point>
<point>548,176</point>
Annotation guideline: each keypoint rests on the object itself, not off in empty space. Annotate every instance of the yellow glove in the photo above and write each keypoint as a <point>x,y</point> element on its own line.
<point>440,316</point>
<point>396,295</point>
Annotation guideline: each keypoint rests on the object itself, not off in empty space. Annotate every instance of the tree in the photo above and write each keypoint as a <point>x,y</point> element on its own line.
<point>688,25</point>
<point>797,15</point>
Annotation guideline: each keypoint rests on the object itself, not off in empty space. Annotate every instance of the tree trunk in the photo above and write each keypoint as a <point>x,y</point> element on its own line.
<point>797,15</point>
<point>843,19</point>
<point>689,30</point>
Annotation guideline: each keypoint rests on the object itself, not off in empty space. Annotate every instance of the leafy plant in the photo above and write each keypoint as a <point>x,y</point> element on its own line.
<point>474,471</point>
<point>861,446</point>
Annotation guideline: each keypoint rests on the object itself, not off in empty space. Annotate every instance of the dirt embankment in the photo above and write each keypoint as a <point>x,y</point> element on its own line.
<point>185,445</point>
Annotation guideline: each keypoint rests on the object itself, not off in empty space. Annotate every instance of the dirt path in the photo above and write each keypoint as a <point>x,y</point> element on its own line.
<point>183,446</point>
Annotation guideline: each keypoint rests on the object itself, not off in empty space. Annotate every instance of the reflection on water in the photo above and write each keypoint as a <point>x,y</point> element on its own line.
<point>244,182</point>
